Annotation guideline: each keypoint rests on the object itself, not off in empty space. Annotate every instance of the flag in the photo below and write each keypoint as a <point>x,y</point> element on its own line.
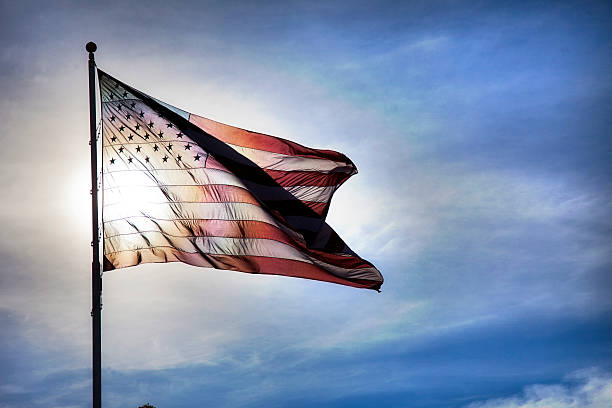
<point>178,187</point>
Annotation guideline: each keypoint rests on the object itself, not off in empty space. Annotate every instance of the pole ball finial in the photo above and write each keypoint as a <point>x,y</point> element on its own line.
<point>91,47</point>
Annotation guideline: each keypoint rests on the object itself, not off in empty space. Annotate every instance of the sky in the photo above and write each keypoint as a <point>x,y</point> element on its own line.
<point>481,131</point>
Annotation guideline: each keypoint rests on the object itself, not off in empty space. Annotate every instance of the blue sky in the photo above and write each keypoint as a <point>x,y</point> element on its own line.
<point>481,131</point>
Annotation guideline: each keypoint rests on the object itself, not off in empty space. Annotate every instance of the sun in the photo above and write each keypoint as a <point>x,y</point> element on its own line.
<point>77,208</point>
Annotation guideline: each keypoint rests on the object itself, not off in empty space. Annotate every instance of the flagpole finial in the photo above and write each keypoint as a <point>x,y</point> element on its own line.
<point>91,46</point>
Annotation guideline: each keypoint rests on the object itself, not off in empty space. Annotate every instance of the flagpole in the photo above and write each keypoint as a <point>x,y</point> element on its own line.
<point>96,278</point>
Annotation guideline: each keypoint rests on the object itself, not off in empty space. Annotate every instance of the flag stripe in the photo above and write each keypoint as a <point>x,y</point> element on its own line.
<point>278,161</point>
<point>235,247</point>
<point>289,209</point>
<point>306,178</point>
<point>293,177</point>
<point>286,178</point>
<point>210,193</point>
<point>248,264</point>
<point>220,213</point>
<point>183,235</point>
<point>248,139</point>
<point>206,246</point>
<point>156,239</point>
<point>203,176</point>
<point>169,211</point>
<point>211,228</point>
<point>211,245</point>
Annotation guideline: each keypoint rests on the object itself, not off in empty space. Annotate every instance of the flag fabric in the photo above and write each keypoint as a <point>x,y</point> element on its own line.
<point>178,187</point>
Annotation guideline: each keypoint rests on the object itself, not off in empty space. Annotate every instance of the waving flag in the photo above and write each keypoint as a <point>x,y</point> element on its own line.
<point>182,188</point>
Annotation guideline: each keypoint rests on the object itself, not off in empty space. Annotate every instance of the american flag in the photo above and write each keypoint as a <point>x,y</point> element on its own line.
<point>178,187</point>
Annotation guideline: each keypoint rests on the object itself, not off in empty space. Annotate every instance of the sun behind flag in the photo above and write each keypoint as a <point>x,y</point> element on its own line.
<point>180,187</point>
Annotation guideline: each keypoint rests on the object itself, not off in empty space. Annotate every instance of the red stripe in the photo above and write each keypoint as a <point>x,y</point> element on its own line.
<point>343,261</point>
<point>222,193</point>
<point>260,230</point>
<point>260,141</point>
<point>307,178</point>
<point>316,206</point>
<point>248,264</point>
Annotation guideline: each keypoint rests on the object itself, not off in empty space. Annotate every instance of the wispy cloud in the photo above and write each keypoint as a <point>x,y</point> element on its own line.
<point>590,388</point>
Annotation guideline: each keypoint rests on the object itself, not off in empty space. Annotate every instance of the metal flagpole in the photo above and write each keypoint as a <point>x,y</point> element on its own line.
<point>96,278</point>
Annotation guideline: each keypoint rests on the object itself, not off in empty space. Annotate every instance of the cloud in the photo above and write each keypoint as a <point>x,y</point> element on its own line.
<point>451,129</point>
<point>591,388</point>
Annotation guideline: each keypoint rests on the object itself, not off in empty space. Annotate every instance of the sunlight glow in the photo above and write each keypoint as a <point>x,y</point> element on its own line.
<point>77,207</point>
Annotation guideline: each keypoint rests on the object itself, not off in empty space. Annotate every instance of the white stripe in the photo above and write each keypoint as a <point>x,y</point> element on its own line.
<point>129,179</point>
<point>303,193</point>
<point>216,246</point>
<point>191,177</point>
<point>232,247</point>
<point>178,226</point>
<point>312,193</point>
<point>185,226</point>
<point>188,211</point>
<point>238,247</point>
<point>128,225</point>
